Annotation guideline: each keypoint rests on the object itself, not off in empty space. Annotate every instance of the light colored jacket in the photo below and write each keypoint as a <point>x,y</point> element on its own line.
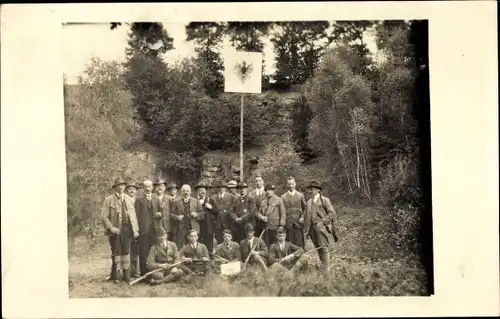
<point>112,210</point>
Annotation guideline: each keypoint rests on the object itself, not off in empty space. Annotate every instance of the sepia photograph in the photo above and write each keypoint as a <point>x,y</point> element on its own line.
<point>245,159</point>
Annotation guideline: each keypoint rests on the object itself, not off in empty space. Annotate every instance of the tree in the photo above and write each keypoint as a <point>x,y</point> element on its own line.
<point>208,36</point>
<point>148,38</point>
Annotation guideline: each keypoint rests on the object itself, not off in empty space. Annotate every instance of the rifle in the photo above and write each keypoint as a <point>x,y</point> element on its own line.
<point>250,254</point>
<point>154,271</point>
<point>330,227</point>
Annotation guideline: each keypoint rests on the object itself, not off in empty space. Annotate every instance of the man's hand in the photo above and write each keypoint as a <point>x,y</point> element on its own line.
<point>136,234</point>
<point>187,260</point>
<point>114,230</point>
<point>174,270</point>
<point>301,220</point>
<point>238,220</point>
<point>158,215</point>
<point>164,266</point>
<point>205,259</point>
<point>264,218</point>
<point>255,253</point>
<point>194,215</point>
<point>180,217</point>
<point>207,205</point>
<point>289,257</point>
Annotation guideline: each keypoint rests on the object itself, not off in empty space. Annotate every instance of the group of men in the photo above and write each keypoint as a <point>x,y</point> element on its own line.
<point>177,234</point>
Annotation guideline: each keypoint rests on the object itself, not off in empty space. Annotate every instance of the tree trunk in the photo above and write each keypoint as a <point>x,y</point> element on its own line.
<point>343,161</point>
<point>357,160</point>
<point>367,181</point>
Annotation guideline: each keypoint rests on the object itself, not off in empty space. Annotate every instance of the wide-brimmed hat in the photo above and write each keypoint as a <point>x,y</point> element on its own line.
<point>171,185</point>
<point>315,184</point>
<point>201,185</point>
<point>232,184</point>
<point>254,160</point>
<point>269,187</point>
<point>249,227</point>
<point>119,181</point>
<point>242,185</point>
<point>131,183</point>
<point>160,181</point>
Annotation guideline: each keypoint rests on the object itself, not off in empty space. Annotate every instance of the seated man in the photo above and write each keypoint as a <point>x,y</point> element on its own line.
<point>194,255</point>
<point>259,254</point>
<point>283,255</point>
<point>163,255</point>
<point>228,251</point>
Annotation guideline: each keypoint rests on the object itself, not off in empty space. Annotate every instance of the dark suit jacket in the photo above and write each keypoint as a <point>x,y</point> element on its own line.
<point>188,251</point>
<point>232,253</point>
<point>259,245</point>
<point>275,253</point>
<point>188,222</point>
<point>242,209</point>
<point>163,206</point>
<point>295,207</point>
<point>256,200</point>
<point>224,209</point>
<point>145,215</point>
<point>159,255</point>
<point>209,214</point>
<point>322,211</point>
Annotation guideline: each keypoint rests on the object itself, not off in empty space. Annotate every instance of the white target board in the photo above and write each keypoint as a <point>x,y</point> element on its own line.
<point>232,268</point>
<point>243,72</point>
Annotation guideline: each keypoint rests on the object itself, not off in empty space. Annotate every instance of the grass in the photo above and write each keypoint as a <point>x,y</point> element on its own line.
<point>364,263</point>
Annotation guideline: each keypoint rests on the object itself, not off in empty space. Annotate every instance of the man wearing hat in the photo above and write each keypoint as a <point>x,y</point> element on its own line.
<point>241,214</point>
<point>164,254</point>
<point>131,191</point>
<point>232,186</point>
<point>228,250</point>
<point>209,212</point>
<point>224,202</point>
<point>147,216</point>
<point>172,191</point>
<point>318,222</point>
<point>259,254</point>
<point>185,216</point>
<point>295,205</point>
<point>120,222</point>
<point>161,206</point>
<point>257,196</point>
<point>272,214</point>
<point>284,255</point>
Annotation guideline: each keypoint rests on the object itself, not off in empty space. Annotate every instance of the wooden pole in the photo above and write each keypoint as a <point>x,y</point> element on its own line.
<point>241,139</point>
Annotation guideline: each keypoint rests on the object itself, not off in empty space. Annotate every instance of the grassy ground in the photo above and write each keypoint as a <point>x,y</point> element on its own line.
<point>364,263</point>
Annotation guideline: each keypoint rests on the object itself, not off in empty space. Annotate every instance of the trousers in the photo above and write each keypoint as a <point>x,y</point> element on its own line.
<point>145,243</point>
<point>295,235</point>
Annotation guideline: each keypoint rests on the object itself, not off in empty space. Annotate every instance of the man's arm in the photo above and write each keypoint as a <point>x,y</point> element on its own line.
<point>282,211</point>
<point>330,212</point>
<point>175,252</point>
<point>263,249</point>
<point>296,250</point>
<point>303,205</point>
<point>151,261</point>
<point>105,214</point>
<point>273,256</point>
<point>238,253</point>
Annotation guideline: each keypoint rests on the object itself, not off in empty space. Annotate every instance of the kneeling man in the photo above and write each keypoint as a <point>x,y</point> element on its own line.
<point>259,253</point>
<point>195,255</point>
<point>163,255</point>
<point>283,255</point>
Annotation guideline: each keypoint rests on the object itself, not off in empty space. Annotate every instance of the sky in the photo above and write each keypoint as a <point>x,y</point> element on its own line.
<point>82,42</point>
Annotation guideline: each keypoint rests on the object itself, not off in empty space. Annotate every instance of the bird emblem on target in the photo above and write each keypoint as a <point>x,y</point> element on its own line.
<point>243,72</point>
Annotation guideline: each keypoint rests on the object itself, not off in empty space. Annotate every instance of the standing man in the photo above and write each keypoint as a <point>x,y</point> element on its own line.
<point>259,254</point>
<point>172,191</point>
<point>224,202</point>
<point>185,216</point>
<point>161,206</point>
<point>258,195</point>
<point>272,214</point>
<point>146,218</point>
<point>242,214</point>
<point>318,222</point>
<point>284,255</point>
<point>120,222</point>
<point>232,186</point>
<point>131,191</point>
<point>209,211</point>
<point>295,206</point>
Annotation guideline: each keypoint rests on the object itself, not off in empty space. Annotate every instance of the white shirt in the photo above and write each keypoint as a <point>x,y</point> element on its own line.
<point>292,193</point>
<point>251,242</point>
<point>148,196</point>
<point>185,200</point>
<point>259,191</point>
<point>202,200</point>
<point>282,246</point>
<point>221,194</point>
<point>316,198</point>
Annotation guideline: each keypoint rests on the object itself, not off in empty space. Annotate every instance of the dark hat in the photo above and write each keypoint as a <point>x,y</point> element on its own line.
<point>248,227</point>
<point>257,174</point>
<point>200,185</point>
<point>232,184</point>
<point>131,183</point>
<point>242,185</point>
<point>254,160</point>
<point>228,231</point>
<point>269,187</point>
<point>314,184</point>
<point>119,181</point>
<point>160,181</point>
<point>281,230</point>
<point>171,185</point>
<point>161,232</point>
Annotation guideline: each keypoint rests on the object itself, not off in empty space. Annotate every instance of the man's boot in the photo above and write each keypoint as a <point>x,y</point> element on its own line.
<point>125,261</point>
<point>116,274</point>
<point>324,256</point>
